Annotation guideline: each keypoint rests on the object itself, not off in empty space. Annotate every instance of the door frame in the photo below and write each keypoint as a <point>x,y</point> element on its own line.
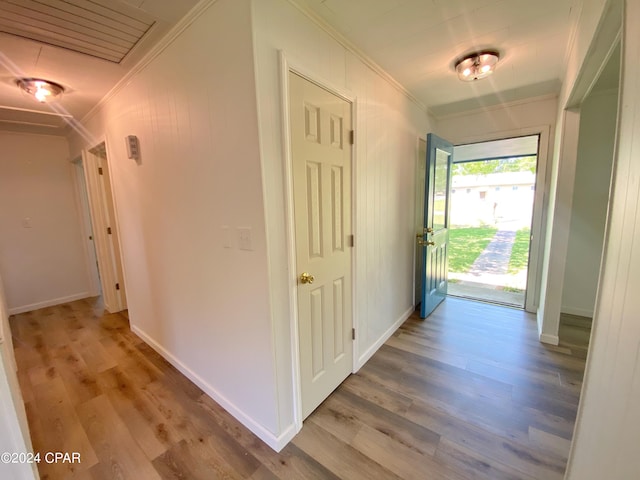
<point>540,201</point>
<point>84,213</point>
<point>604,42</point>
<point>113,301</point>
<point>418,261</point>
<point>287,65</point>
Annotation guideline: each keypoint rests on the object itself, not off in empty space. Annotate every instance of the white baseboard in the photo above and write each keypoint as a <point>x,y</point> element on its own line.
<point>276,442</point>
<point>383,338</point>
<point>549,339</point>
<point>49,303</point>
<point>581,312</point>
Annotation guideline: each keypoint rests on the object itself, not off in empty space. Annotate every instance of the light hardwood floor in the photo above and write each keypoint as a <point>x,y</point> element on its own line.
<point>467,394</point>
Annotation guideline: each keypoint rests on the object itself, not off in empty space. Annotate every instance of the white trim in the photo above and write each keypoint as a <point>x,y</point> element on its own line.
<point>288,64</point>
<point>385,336</point>
<point>279,374</point>
<point>598,56</point>
<point>49,303</point>
<point>538,220</point>
<point>41,112</point>
<point>498,106</point>
<point>13,420</point>
<point>275,442</point>
<point>114,300</point>
<point>291,241</point>
<point>159,47</point>
<point>350,47</point>
<point>553,268</point>
<point>419,221</point>
<point>580,312</point>
<point>81,195</point>
<point>549,339</point>
<point>122,294</point>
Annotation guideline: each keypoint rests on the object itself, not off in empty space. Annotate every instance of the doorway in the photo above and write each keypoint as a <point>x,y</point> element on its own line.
<point>492,200</point>
<point>105,227</point>
<point>321,147</point>
<point>95,288</point>
<point>590,200</point>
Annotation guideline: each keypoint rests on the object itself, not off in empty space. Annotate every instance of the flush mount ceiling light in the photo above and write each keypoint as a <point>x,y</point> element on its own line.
<point>42,90</point>
<point>477,65</point>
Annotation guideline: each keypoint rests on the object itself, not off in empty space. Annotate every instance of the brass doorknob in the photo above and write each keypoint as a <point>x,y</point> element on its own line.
<point>307,278</point>
<point>431,243</point>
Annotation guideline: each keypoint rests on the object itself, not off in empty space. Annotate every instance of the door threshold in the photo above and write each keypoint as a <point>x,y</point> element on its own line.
<point>485,300</point>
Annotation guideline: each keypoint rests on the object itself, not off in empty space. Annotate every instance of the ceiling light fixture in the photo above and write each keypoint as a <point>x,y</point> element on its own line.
<point>42,90</point>
<point>477,65</point>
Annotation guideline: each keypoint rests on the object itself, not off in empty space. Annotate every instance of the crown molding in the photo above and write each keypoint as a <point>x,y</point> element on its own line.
<point>363,57</point>
<point>497,106</point>
<point>198,10</point>
<point>155,51</point>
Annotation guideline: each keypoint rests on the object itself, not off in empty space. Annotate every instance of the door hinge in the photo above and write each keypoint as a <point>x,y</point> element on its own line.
<point>117,286</point>
<point>100,171</point>
<point>351,240</point>
<point>109,230</point>
<point>352,137</point>
<point>353,334</point>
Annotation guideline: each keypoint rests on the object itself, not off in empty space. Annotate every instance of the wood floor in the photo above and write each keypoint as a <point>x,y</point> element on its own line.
<point>467,394</point>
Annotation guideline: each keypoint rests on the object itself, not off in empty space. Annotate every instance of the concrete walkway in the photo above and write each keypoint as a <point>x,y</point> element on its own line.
<point>488,274</point>
<point>495,257</point>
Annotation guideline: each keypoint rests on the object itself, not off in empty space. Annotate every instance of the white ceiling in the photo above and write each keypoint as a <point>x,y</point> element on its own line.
<point>74,24</point>
<point>416,41</point>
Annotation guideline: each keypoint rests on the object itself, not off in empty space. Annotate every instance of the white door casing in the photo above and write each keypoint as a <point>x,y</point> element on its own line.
<point>320,125</point>
<point>105,229</point>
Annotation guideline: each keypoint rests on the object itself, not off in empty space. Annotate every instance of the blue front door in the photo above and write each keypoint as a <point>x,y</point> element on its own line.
<point>435,237</point>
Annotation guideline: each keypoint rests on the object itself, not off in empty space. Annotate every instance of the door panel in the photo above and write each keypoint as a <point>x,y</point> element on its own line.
<point>103,219</point>
<point>321,155</point>
<point>436,223</point>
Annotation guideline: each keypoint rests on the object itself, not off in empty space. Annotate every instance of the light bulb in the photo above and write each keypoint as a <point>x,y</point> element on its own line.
<point>41,94</point>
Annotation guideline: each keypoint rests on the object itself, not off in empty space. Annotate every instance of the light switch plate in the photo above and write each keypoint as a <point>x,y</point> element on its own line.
<point>244,238</point>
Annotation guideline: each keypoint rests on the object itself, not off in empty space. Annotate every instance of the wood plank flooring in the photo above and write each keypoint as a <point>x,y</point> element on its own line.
<point>467,394</point>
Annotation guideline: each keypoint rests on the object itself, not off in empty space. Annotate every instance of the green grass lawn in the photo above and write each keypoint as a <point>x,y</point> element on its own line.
<point>466,244</point>
<point>520,251</point>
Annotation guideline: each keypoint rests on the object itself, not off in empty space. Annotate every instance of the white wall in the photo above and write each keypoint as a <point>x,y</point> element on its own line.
<point>598,117</point>
<point>202,305</point>
<point>501,121</point>
<point>388,124</point>
<point>44,264</point>
<point>13,419</point>
<point>607,436</point>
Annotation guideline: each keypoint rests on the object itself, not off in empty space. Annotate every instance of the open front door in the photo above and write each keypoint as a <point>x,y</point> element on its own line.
<point>435,235</point>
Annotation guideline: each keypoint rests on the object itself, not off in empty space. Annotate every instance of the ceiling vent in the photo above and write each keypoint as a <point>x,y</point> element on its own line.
<point>105,29</point>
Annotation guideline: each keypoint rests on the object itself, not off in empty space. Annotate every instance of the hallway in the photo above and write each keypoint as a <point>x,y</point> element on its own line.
<point>467,394</point>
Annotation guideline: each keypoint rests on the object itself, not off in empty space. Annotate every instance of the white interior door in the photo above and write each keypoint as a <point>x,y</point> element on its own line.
<point>87,227</point>
<point>105,231</point>
<point>112,230</point>
<point>321,153</point>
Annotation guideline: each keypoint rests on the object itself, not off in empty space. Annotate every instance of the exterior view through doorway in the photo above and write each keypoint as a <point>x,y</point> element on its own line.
<point>492,197</point>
